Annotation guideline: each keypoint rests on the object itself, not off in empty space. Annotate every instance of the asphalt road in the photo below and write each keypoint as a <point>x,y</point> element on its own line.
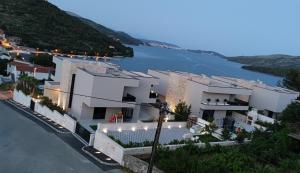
<point>26,147</point>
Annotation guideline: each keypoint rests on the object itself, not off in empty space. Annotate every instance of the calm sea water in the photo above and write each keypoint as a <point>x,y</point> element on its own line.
<point>169,59</point>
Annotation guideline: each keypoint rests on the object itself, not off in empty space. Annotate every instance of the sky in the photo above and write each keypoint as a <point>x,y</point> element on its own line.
<point>230,27</point>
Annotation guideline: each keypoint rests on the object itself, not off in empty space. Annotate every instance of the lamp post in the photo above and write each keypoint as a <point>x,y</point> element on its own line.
<point>162,112</point>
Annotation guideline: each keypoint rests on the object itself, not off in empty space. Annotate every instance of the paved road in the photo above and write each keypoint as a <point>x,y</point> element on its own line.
<point>26,147</point>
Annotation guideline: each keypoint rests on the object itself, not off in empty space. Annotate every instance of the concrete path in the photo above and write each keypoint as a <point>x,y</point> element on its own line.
<point>26,147</point>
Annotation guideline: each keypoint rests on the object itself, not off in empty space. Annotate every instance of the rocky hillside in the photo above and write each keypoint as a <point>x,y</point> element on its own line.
<point>115,35</point>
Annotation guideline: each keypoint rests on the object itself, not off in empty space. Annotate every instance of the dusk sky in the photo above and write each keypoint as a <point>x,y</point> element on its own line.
<point>231,27</point>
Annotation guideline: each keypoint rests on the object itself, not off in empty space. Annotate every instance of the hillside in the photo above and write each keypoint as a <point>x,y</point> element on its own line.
<point>115,35</point>
<point>207,52</point>
<point>43,25</point>
<point>272,64</point>
<point>154,43</point>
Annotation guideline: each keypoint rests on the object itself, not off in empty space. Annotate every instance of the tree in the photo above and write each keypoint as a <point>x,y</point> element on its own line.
<point>291,114</point>
<point>42,59</point>
<point>182,111</point>
<point>292,80</point>
<point>226,134</point>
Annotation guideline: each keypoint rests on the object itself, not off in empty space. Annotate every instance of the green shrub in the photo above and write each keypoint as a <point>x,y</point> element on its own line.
<point>45,101</point>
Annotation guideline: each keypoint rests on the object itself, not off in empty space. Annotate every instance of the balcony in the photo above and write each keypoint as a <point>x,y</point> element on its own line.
<point>153,95</point>
<point>226,105</point>
<point>128,98</point>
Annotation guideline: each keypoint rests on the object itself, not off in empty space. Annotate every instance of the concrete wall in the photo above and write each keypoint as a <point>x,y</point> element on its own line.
<point>20,97</point>
<point>109,147</point>
<point>64,120</point>
<point>163,82</point>
<point>137,165</point>
<point>51,91</point>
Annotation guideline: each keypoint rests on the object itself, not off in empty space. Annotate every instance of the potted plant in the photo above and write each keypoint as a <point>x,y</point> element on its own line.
<point>208,100</point>
<point>217,101</point>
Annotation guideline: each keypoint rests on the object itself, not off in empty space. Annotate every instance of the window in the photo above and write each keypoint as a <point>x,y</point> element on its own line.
<point>72,90</point>
<point>99,113</point>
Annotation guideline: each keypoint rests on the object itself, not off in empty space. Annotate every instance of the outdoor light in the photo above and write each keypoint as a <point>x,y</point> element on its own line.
<point>146,128</point>
<point>108,158</point>
<point>119,129</point>
<point>166,119</point>
<point>179,126</point>
<point>169,127</point>
<point>133,129</point>
<point>97,152</point>
<point>104,130</point>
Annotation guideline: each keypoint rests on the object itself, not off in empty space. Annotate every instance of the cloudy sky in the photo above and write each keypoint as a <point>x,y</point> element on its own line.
<point>231,27</point>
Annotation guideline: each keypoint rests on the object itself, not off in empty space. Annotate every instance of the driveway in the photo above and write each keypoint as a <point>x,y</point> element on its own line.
<point>26,147</point>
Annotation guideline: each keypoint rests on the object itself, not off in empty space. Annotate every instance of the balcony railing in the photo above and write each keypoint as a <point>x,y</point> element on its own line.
<point>128,98</point>
<point>236,102</point>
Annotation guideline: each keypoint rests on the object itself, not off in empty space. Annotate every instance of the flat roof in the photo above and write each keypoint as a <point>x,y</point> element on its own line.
<point>260,84</point>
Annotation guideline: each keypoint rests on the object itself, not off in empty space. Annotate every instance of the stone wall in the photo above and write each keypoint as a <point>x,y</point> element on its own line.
<point>138,166</point>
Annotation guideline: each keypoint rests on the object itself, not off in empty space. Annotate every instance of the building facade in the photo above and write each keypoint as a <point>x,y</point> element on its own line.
<point>219,97</point>
<point>100,91</point>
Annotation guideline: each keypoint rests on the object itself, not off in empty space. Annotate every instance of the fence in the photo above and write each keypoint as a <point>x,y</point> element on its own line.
<point>108,146</point>
<point>63,120</point>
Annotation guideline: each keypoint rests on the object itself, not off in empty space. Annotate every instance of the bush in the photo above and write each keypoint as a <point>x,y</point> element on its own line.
<point>182,111</point>
<point>45,101</point>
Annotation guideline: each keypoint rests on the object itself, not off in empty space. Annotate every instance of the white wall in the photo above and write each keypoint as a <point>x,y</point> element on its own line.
<point>109,147</point>
<point>271,100</point>
<point>20,97</point>
<point>163,81</point>
<point>64,120</point>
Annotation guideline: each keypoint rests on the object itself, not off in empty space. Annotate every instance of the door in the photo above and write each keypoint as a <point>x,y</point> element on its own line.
<point>32,104</point>
<point>208,115</point>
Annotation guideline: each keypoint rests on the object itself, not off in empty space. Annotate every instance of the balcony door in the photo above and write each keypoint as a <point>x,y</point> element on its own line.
<point>208,115</point>
<point>99,113</point>
<point>127,114</point>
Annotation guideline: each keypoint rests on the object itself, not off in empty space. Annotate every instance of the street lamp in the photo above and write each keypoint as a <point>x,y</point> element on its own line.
<point>164,110</point>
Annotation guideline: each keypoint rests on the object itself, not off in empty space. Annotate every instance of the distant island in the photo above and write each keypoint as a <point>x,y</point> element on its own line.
<point>277,64</point>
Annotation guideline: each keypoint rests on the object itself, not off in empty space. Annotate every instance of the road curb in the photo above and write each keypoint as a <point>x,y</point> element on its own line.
<point>100,161</point>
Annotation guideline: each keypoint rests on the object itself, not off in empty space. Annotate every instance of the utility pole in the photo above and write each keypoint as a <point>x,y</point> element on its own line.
<point>162,113</point>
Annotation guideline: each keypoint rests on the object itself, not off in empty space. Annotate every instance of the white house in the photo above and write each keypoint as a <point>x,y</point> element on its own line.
<point>16,68</point>
<point>219,97</point>
<point>98,91</point>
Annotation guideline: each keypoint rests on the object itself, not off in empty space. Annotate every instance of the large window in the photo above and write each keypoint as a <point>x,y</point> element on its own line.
<point>99,113</point>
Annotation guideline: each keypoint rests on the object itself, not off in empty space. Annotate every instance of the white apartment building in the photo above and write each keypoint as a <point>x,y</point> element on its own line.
<point>220,97</point>
<point>98,91</point>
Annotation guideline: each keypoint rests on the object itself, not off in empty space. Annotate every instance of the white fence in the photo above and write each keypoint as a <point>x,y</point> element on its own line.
<point>20,97</point>
<point>139,125</point>
<point>112,149</point>
<point>63,120</point>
